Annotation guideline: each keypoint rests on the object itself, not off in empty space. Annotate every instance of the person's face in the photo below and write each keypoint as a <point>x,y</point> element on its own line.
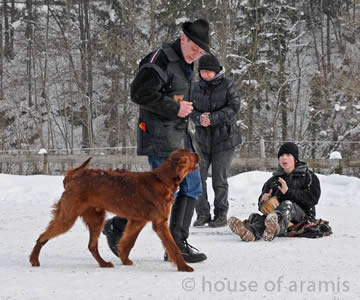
<point>190,50</point>
<point>207,74</point>
<point>287,162</point>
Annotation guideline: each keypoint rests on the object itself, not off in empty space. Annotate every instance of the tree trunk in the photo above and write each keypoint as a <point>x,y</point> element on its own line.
<point>297,128</point>
<point>89,73</point>
<point>12,20</point>
<point>283,100</point>
<point>1,61</point>
<point>313,32</point>
<point>9,32</point>
<point>113,121</point>
<point>7,46</point>
<point>153,32</point>
<point>44,92</point>
<point>328,40</point>
<point>322,39</point>
<point>68,26</point>
<point>29,36</point>
<point>315,113</point>
<point>86,85</point>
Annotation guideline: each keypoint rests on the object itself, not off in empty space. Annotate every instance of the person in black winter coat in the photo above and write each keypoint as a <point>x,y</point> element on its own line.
<point>297,189</point>
<point>216,104</point>
<point>162,88</point>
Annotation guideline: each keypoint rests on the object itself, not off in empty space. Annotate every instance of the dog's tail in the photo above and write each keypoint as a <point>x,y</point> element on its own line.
<point>72,172</point>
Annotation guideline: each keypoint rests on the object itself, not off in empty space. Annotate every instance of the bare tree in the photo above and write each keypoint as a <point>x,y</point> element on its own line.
<point>9,32</point>
<point>1,58</point>
<point>86,73</point>
<point>29,37</point>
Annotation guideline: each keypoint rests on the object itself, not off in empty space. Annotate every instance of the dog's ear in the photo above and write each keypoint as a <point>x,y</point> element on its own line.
<point>181,164</point>
<point>177,179</point>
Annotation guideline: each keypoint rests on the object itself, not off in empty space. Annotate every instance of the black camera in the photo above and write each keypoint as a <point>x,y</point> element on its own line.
<point>274,186</point>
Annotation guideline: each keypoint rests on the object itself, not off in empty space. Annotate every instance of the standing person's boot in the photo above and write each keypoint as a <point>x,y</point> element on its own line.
<point>202,221</point>
<point>113,230</point>
<point>220,220</point>
<point>180,220</point>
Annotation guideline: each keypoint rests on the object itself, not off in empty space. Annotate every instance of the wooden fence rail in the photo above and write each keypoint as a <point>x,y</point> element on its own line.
<point>271,163</point>
<point>141,163</point>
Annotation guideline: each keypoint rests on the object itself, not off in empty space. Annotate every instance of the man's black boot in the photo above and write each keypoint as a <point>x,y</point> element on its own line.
<point>113,230</point>
<point>189,253</point>
<point>180,221</point>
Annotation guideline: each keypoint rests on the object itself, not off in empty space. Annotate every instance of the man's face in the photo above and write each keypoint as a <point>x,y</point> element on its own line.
<point>287,162</point>
<point>190,50</point>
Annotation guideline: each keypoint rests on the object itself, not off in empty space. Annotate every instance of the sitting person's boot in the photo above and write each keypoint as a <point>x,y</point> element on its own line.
<point>201,221</point>
<point>272,227</point>
<point>240,229</point>
<point>252,217</point>
<point>113,230</point>
<point>219,221</point>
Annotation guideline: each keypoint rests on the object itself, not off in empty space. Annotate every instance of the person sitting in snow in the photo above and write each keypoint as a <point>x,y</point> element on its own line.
<point>297,190</point>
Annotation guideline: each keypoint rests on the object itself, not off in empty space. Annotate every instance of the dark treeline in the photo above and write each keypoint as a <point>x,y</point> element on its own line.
<point>66,67</point>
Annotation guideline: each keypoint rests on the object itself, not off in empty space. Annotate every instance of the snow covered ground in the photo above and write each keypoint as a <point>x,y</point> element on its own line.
<point>286,268</point>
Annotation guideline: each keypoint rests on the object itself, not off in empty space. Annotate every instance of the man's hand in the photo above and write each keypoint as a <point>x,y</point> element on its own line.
<point>185,109</point>
<point>283,186</point>
<point>266,196</point>
<point>205,120</point>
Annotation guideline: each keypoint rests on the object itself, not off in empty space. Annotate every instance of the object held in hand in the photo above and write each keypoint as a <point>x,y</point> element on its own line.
<point>178,98</point>
<point>269,205</point>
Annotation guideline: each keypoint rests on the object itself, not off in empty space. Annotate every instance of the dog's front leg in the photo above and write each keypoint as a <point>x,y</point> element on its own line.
<point>173,251</point>
<point>132,230</point>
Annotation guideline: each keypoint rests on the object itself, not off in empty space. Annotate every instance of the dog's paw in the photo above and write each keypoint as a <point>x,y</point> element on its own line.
<point>127,262</point>
<point>35,262</point>
<point>185,268</point>
<point>107,264</point>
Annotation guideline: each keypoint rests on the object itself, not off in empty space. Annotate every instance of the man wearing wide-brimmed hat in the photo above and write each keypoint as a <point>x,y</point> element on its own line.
<point>162,89</point>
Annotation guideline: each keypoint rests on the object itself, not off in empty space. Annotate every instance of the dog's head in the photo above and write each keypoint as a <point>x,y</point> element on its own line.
<point>184,162</point>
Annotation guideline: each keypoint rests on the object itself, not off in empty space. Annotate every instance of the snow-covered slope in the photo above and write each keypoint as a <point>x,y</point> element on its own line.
<point>286,268</point>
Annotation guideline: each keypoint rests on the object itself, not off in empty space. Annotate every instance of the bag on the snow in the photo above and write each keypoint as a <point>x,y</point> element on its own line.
<point>310,229</point>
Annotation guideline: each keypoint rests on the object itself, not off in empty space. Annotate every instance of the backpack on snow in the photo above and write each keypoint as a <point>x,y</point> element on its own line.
<point>310,229</point>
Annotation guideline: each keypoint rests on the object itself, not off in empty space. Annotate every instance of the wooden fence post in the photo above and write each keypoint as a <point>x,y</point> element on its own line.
<point>262,152</point>
<point>336,155</point>
<point>45,161</point>
<point>340,170</point>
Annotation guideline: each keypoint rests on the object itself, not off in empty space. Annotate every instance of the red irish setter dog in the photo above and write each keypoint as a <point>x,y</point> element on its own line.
<point>138,196</point>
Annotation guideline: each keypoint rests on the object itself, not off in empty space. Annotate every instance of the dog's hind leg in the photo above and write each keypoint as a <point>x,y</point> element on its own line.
<point>132,230</point>
<point>60,224</point>
<point>94,219</point>
<point>162,230</point>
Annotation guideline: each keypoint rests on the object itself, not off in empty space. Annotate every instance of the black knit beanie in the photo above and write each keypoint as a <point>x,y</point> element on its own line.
<point>289,148</point>
<point>209,62</point>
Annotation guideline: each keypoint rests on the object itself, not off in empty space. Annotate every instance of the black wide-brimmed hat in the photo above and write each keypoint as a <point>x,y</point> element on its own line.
<point>198,32</point>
